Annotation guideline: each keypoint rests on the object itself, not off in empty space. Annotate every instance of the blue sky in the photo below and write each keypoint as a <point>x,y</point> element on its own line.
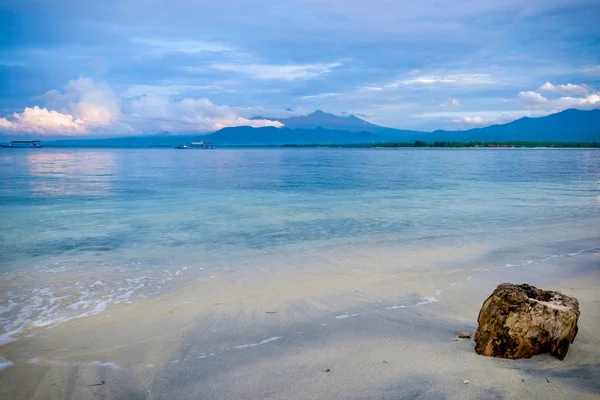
<point>142,67</point>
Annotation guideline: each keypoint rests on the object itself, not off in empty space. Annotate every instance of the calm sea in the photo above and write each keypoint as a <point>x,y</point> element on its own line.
<point>84,228</point>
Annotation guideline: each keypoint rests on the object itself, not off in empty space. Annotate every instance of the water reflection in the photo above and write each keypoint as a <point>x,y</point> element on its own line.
<point>68,173</point>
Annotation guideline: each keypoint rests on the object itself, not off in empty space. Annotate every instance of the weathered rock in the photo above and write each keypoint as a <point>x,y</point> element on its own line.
<point>464,335</point>
<point>519,321</point>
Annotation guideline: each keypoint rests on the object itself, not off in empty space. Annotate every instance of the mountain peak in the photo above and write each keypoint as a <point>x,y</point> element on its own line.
<point>353,117</point>
<point>317,113</point>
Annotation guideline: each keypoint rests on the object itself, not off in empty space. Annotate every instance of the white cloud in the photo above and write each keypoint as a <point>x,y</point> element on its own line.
<point>451,102</point>
<point>94,103</point>
<point>158,113</point>
<point>159,46</point>
<point>83,106</point>
<point>278,72</point>
<point>567,89</point>
<point>587,102</point>
<point>459,79</point>
<point>42,121</point>
<point>322,95</point>
<point>470,120</point>
<point>86,107</point>
<point>487,118</point>
<point>530,97</point>
<point>534,100</point>
<point>534,104</point>
<point>372,88</point>
<point>239,121</point>
<point>591,70</point>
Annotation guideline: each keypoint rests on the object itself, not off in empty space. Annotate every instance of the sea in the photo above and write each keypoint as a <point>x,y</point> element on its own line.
<point>84,230</point>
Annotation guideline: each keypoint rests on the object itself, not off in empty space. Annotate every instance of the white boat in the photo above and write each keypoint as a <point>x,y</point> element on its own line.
<point>24,144</point>
<point>196,145</point>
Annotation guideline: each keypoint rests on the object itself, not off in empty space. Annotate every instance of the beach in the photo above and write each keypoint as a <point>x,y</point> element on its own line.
<point>298,292</point>
<point>389,331</point>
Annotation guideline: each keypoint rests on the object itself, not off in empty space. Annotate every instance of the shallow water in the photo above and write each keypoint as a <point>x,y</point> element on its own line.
<point>84,229</point>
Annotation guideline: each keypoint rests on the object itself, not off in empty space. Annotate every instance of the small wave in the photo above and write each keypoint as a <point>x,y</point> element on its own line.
<point>5,309</point>
<point>47,307</point>
<point>108,364</point>
<point>426,300</point>
<point>394,307</point>
<point>9,337</point>
<point>5,363</point>
<point>244,346</point>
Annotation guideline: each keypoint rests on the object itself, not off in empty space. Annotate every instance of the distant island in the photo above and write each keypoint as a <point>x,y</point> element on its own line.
<point>569,128</point>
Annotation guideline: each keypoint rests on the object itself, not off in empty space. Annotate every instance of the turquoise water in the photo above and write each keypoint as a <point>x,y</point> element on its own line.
<point>91,227</point>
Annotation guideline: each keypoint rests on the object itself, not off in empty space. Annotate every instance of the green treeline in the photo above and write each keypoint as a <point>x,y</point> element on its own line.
<point>437,144</point>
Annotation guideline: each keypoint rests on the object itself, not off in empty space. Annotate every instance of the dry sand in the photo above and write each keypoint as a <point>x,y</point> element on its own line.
<point>341,332</point>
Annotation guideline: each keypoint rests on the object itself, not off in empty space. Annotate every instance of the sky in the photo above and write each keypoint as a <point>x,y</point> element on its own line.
<point>133,67</point>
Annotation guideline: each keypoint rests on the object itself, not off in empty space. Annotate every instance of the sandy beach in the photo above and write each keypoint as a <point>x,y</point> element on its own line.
<point>326,327</point>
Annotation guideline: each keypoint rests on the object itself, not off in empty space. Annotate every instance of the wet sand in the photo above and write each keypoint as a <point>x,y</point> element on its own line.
<point>331,326</point>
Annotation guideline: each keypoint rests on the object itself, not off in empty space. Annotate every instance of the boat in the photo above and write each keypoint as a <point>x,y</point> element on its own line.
<point>196,145</point>
<point>23,144</point>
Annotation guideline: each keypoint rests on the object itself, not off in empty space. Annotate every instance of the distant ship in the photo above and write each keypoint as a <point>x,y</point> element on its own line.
<point>23,144</point>
<point>196,145</point>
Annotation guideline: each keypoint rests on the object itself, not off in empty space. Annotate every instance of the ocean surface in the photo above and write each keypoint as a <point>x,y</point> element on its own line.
<point>83,230</point>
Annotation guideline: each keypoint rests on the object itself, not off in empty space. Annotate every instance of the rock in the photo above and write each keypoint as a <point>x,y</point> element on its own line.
<point>466,382</point>
<point>464,335</point>
<point>519,321</point>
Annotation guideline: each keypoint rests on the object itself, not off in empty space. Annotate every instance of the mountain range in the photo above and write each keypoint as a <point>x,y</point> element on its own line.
<point>324,128</point>
<point>351,123</point>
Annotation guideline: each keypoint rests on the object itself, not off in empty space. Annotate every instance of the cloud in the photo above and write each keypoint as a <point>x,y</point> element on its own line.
<point>567,89</point>
<point>86,107</point>
<point>42,121</point>
<point>470,121</point>
<point>459,79</point>
<point>487,118</point>
<point>372,88</point>
<point>153,113</point>
<point>587,102</point>
<point>530,97</point>
<point>161,46</point>
<point>451,102</point>
<point>434,50</point>
<point>591,70</point>
<point>278,72</point>
<point>96,104</point>
<point>322,95</point>
<point>239,121</point>
<point>534,100</point>
<point>82,107</point>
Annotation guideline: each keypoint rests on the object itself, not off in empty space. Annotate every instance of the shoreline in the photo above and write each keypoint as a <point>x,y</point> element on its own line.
<point>190,343</point>
<point>332,266</point>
